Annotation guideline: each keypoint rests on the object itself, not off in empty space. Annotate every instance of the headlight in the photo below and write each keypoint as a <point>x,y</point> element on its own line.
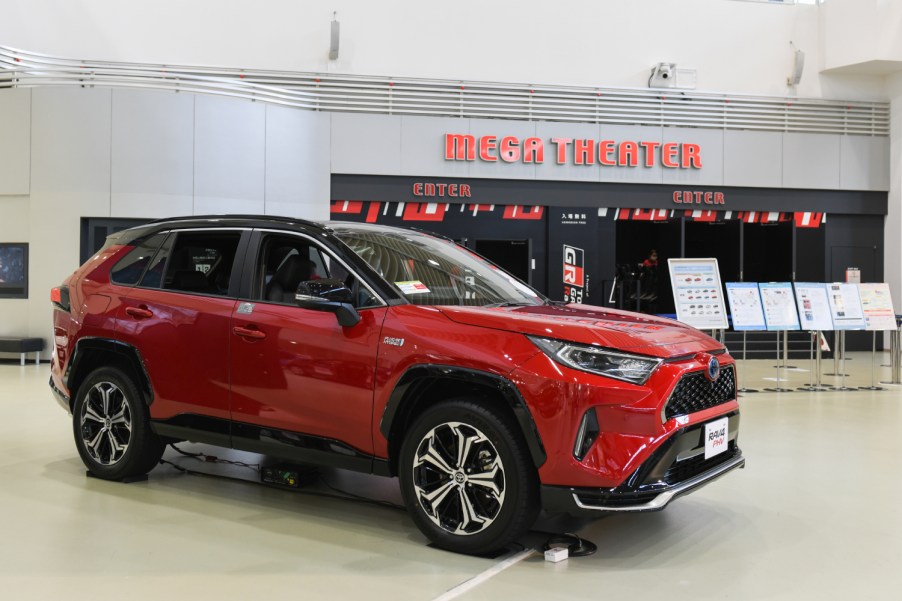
<point>620,366</point>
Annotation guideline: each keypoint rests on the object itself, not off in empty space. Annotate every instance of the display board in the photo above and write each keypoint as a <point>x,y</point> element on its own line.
<point>779,306</point>
<point>814,309</point>
<point>697,293</point>
<point>745,306</point>
<point>845,306</point>
<point>877,306</point>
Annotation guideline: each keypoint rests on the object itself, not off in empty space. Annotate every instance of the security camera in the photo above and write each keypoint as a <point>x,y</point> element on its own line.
<point>663,75</point>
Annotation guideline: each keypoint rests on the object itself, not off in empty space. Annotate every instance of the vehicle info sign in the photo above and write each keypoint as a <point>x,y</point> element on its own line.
<point>877,306</point>
<point>745,306</point>
<point>779,306</point>
<point>845,306</point>
<point>814,309</point>
<point>697,293</point>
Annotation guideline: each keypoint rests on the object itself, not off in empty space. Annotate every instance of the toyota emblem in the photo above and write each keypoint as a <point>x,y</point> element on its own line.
<point>713,371</point>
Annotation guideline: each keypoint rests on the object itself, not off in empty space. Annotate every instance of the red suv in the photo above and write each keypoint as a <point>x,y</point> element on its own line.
<point>390,352</point>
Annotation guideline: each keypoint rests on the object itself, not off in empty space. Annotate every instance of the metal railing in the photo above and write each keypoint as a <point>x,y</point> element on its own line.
<point>435,97</point>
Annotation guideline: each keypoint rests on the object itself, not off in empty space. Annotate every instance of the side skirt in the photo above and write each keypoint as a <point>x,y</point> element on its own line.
<point>283,444</point>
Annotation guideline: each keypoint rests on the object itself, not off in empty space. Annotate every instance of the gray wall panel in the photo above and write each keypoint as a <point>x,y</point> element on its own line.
<point>71,142</point>
<point>864,163</point>
<point>229,151</point>
<point>549,169</point>
<point>15,141</point>
<point>711,152</point>
<point>152,154</point>
<point>366,144</point>
<point>811,161</point>
<point>753,158</point>
<point>499,168</point>
<point>297,163</point>
<point>640,174</point>
<point>423,146</point>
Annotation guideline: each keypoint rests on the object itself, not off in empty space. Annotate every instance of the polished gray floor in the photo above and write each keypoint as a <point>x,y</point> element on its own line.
<point>817,514</point>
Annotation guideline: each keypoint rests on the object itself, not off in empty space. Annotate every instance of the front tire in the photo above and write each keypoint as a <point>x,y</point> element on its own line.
<point>467,479</point>
<point>111,424</point>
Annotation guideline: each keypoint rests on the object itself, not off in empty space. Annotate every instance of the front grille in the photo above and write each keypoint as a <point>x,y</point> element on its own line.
<point>689,468</point>
<point>695,392</point>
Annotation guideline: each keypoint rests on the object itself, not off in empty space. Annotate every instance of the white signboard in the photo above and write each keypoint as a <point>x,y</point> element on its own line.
<point>779,306</point>
<point>814,309</point>
<point>877,306</point>
<point>845,306</point>
<point>697,293</point>
<point>745,306</point>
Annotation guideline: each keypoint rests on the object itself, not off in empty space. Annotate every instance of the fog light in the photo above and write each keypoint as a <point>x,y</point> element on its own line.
<point>586,435</point>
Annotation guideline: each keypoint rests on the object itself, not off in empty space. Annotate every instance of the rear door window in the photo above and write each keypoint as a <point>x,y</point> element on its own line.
<point>195,262</point>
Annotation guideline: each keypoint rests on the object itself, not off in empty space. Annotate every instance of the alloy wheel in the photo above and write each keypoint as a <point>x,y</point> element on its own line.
<point>106,423</point>
<point>459,478</point>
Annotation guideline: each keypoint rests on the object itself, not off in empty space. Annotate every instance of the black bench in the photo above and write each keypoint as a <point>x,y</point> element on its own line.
<point>22,346</point>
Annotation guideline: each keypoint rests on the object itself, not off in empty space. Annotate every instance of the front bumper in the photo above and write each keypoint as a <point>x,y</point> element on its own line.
<point>60,397</point>
<point>676,469</point>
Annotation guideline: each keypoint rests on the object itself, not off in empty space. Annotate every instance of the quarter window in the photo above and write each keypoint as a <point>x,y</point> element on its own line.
<point>130,268</point>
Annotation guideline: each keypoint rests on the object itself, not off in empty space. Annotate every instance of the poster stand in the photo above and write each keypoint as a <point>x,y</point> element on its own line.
<point>841,350</point>
<point>779,388</point>
<point>894,358</point>
<point>839,356</point>
<point>785,350</point>
<point>873,385</point>
<point>815,365</point>
<point>744,389</point>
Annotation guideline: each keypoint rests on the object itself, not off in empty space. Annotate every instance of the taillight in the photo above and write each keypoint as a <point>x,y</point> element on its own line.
<point>59,296</point>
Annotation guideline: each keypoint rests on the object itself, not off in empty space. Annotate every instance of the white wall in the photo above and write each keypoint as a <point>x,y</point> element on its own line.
<point>737,47</point>
<point>861,31</point>
<point>892,239</point>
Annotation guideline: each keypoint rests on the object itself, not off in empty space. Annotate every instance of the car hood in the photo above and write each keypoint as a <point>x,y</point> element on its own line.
<point>643,334</point>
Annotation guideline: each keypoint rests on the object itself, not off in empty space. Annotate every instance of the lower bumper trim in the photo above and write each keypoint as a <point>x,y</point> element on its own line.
<point>570,500</point>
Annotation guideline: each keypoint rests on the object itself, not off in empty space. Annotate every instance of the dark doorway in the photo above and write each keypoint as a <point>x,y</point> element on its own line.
<point>513,256</point>
<point>717,239</point>
<point>767,252</point>
<point>635,239</point>
<point>94,231</point>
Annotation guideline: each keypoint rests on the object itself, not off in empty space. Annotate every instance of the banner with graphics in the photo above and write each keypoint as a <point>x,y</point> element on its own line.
<point>573,255</point>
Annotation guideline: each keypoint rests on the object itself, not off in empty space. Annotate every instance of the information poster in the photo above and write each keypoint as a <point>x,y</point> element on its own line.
<point>877,306</point>
<point>779,306</point>
<point>845,306</point>
<point>814,309</point>
<point>697,293</point>
<point>745,306</point>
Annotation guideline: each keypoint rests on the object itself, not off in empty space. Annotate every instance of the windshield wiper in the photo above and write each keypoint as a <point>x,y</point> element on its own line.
<point>509,304</point>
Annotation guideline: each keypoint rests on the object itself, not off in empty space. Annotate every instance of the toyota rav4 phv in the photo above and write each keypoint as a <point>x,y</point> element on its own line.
<point>390,352</point>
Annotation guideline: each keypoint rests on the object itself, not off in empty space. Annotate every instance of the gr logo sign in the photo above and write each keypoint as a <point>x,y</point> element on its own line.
<point>574,274</point>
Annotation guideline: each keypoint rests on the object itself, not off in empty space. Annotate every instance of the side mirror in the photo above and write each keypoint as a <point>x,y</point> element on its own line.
<point>328,295</point>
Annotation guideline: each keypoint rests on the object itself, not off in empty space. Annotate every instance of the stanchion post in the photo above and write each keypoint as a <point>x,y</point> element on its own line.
<point>744,364</point>
<point>841,334</point>
<point>873,385</point>
<point>777,387</point>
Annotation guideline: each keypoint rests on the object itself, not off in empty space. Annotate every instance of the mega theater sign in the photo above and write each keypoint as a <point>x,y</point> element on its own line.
<point>572,151</point>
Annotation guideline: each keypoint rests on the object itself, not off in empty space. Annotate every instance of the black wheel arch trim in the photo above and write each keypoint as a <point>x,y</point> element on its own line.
<point>83,349</point>
<point>417,375</point>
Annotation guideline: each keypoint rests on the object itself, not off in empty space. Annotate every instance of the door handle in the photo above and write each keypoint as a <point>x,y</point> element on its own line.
<point>252,333</point>
<point>139,312</point>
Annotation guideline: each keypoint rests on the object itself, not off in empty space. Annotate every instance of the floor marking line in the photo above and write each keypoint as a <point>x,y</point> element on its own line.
<point>478,579</point>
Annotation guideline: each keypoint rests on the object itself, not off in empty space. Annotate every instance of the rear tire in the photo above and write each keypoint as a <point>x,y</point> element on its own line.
<point>467,478</point>
<point>111,424</point>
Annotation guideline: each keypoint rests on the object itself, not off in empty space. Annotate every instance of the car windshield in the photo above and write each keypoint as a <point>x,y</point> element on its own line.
<point>433,271</point>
